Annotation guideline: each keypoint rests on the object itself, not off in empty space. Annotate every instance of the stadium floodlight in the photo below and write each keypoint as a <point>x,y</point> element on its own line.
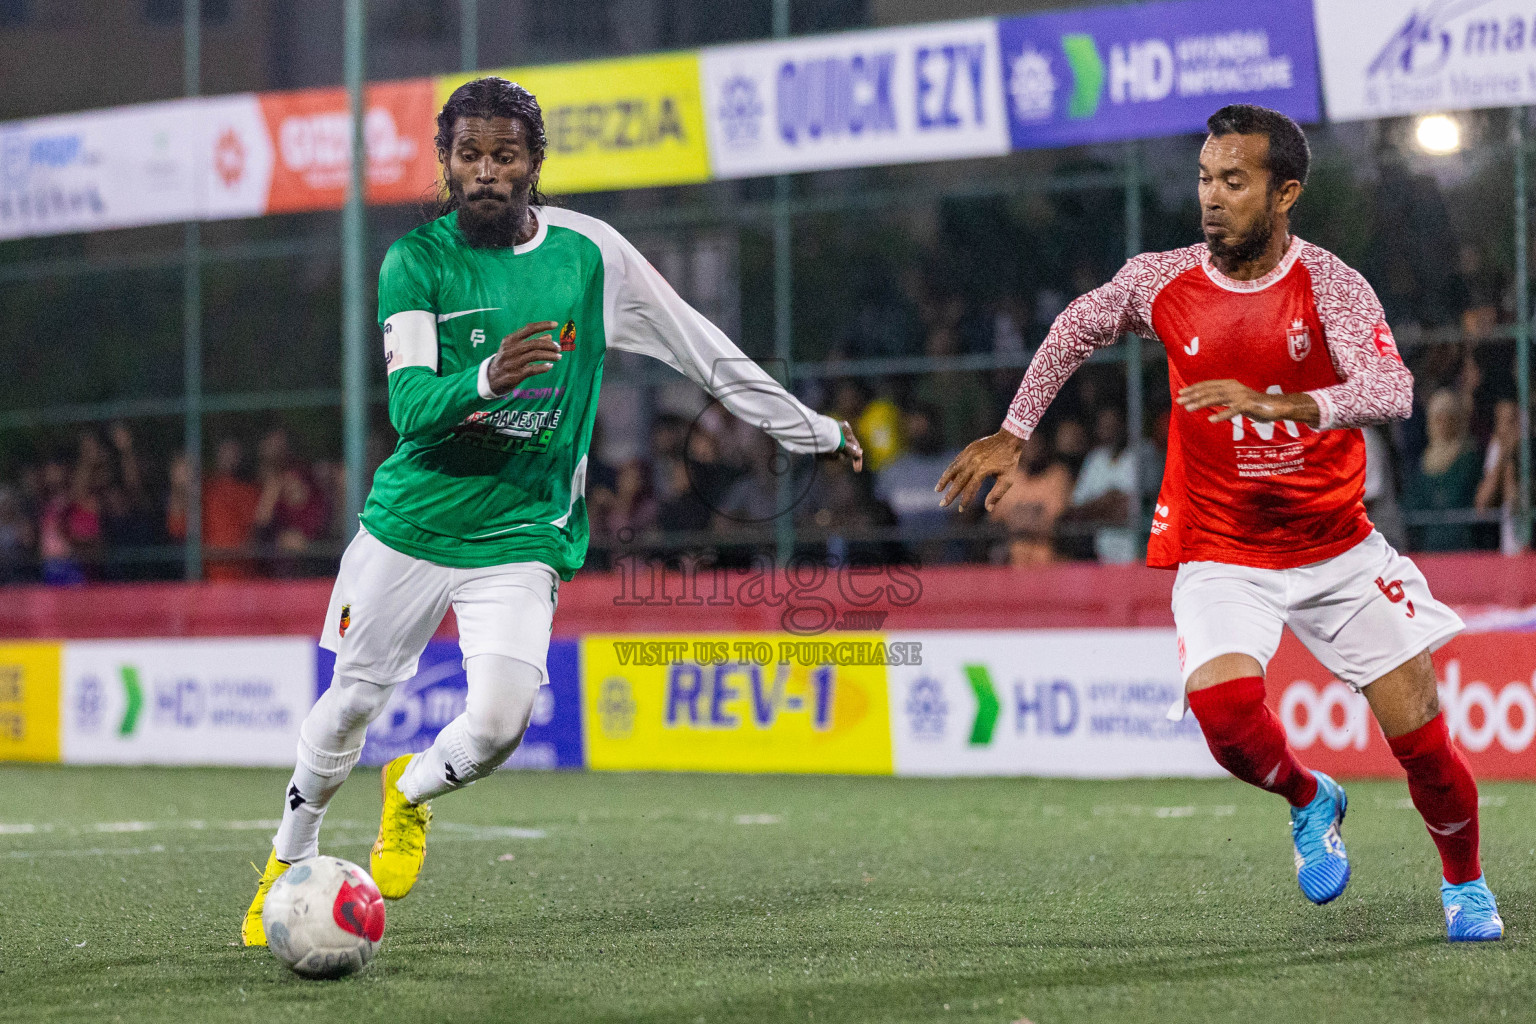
<point>1438,134</point>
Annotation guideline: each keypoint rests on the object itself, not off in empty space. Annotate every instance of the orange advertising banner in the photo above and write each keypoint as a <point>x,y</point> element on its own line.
<point>312,142</point>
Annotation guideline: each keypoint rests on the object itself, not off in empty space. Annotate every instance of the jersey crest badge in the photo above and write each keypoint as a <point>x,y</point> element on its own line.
<point>568,337</point>
<point>346,619</point>
<point>1299,340</point>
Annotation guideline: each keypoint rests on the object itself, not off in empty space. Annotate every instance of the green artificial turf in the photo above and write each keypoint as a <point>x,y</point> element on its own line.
<point>763,899</point>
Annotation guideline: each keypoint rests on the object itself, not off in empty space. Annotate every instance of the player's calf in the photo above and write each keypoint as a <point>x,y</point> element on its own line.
<point>1248,740</point>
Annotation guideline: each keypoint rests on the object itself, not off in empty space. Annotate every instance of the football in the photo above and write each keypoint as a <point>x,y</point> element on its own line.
<point>324,918</point>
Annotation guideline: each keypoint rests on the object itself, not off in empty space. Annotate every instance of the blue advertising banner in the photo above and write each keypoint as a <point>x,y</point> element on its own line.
<point>1112,73</point>
<point>422,705</point>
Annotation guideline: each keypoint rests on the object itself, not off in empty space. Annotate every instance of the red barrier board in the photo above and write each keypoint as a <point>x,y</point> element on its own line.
<point>646,598</point>
<point>1487,685</point>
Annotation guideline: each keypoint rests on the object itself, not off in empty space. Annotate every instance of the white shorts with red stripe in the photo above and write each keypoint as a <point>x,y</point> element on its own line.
<point>1361,613</point>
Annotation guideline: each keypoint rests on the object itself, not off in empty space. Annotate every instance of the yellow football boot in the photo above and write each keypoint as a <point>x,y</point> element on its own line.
<point>251,931</point>
<point>402,844</point>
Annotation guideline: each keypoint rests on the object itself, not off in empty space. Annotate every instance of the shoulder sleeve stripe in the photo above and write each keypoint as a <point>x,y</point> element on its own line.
<point>410,339</point>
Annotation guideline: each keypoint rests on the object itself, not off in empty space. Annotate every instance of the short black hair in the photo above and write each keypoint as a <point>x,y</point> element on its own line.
<point>1289,155</point>
<point>494,97</point>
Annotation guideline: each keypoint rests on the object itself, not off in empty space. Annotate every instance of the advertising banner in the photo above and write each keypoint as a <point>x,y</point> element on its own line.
<point>1088,703</point>
<point>612,124</point>
<point>236,701</point>
<point>1487,685</point>
<point>420,707</point>
<point>234,157</point>
<point>29,702</point>
<point>1142,70</point>
<point>855,99</point>
<point>1393,57</point>
<point>737,703</point>
<point>101,169</point>
<point>311,133</point>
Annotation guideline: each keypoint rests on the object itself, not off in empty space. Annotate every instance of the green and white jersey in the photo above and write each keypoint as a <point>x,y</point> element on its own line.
<point>479,479</point>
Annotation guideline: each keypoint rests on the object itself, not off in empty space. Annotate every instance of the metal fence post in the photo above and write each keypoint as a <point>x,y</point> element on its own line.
<point>354,306</point>
<point>469,38</point>
<point>192,318</point>
<point>783,309</point>
<point>1522,321</point>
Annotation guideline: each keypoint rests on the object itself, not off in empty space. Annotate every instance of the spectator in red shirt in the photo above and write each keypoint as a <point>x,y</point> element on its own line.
<point>291,512</point>
<point>229,512</point>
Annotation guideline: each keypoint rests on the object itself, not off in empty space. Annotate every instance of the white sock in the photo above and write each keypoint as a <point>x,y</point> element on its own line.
<point>501,695</point>
<point>330,742</point>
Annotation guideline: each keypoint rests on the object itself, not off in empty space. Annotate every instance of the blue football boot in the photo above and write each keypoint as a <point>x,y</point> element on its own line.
<point>1322,866</point>
<point>1471,915</point>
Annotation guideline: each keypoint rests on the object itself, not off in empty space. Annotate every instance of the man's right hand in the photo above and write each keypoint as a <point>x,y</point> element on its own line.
<point>981,461</point>
<point>526,352</point>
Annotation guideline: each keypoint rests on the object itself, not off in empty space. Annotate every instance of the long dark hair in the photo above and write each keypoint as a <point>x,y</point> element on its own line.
<point>489,97</point>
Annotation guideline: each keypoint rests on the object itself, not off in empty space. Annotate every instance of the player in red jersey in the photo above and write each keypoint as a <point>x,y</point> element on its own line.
<point>1277,354</point>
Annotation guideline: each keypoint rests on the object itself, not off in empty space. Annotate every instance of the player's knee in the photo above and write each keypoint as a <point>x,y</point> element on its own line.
<point>502,692</point>
<point>498,730</point>
<point>343,712</point>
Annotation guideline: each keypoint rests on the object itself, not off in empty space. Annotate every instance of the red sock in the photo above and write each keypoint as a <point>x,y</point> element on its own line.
<point>1249,741</point>
<point>1443,790</point>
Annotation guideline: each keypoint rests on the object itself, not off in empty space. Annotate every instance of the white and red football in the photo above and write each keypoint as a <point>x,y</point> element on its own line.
<point>324,917</point>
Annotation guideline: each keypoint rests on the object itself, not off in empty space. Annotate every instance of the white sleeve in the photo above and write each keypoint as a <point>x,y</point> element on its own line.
<point>646,316</point>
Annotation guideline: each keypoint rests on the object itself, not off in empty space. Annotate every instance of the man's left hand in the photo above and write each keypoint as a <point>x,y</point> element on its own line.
<point>1234,398</point>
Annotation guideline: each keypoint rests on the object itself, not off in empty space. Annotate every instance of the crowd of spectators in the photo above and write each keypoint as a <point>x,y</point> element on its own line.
<point>688,477</point>
<point>715,488</point>
<point>106,511</point>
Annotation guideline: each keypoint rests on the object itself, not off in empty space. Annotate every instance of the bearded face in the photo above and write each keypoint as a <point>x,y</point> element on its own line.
<point>491,173</point>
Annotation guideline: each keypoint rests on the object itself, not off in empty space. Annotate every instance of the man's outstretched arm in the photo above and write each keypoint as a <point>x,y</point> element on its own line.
<point>650,318</point>
<point>1092,321</point>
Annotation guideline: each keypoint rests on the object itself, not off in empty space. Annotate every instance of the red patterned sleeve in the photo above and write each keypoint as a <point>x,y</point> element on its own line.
<point>1095,320</point>
<point>1377,386</point>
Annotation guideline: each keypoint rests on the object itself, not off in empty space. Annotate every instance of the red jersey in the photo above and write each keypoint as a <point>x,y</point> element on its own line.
<point>1268,495</point>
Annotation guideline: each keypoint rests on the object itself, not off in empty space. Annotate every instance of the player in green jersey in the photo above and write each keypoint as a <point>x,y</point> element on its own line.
<point>496,319</point>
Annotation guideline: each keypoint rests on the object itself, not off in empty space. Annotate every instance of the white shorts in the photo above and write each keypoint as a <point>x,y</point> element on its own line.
<point>1361,613</point>
<point>386,605</point>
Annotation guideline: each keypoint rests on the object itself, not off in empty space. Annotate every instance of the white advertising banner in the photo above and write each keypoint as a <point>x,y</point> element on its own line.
<point>1383,58</point>
<point>234,157</point>
<point>153,163</point>
<point>1088,703</point>
<point>101,169</point>
<point>236,701</point>
<point>931,92</point>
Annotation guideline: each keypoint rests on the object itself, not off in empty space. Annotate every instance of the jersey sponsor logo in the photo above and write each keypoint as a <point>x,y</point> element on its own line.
<point>568,336</point>
<point>1299,340</point>
<point>346,619</point>
<point>477,337</point>
<point>1269,459</point>
<point>511,430</point>
<point>1193,348</point>
<point>1386,345</point>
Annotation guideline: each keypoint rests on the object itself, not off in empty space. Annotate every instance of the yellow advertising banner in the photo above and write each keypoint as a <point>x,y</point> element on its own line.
<point>29,702</point>
<point>614,124</point>
<point>736,703</point>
